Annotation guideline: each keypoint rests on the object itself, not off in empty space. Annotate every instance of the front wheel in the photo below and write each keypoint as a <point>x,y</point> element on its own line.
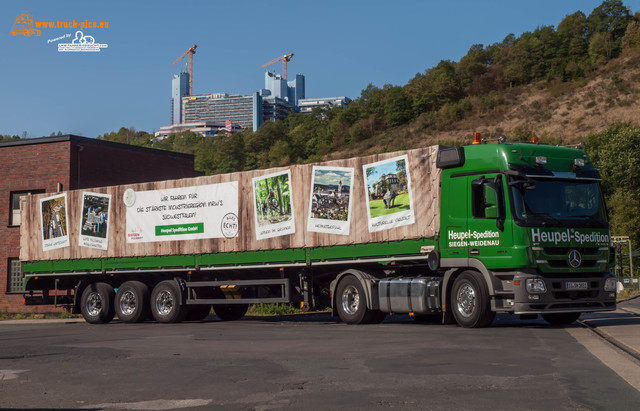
<point>561,318</point>
<point>96,303</point>
<point>165,303</point>
<point>470,301</point>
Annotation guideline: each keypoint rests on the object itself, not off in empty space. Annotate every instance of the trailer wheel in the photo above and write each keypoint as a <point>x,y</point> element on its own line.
<point>230,312</point>
<point>470,301</point>
<point>561,318</point>
<point>165,303</point>
<point>198,312</point>
<point>96,303</point>
<point>132,302</point>
<point>351,302</point>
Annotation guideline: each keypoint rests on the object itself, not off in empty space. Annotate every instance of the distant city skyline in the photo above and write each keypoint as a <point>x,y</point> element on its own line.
<point>340,47</point>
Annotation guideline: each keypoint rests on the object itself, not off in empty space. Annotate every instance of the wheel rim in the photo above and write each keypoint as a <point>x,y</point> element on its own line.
<point>350,300</point>
<point>466,300</point>
<point>94,304</point>
<point>128,303</point>
<point>164,302</point>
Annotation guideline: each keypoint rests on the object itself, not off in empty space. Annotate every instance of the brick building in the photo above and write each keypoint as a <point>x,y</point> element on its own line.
<point>52,164</point>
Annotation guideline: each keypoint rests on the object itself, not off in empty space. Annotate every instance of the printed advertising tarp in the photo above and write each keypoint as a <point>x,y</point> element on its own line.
<point>189,213</point>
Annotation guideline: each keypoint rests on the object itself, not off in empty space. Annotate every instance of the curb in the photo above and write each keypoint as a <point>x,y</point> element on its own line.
<point>612,340</point>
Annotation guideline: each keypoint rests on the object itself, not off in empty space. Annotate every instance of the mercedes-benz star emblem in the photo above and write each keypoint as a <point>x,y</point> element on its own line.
<point>575,259</point>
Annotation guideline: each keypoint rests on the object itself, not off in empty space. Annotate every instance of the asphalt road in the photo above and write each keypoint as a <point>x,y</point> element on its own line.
<point>304,362</point>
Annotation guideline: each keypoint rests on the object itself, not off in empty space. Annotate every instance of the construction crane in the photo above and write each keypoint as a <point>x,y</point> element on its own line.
<point>190,52</point>
<point>284,59</point>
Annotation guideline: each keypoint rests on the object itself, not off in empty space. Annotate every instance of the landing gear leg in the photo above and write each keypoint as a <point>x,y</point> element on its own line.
<point>306,286</point>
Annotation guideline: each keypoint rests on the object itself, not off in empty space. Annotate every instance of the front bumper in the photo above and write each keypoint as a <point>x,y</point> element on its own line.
<point>559,296</point>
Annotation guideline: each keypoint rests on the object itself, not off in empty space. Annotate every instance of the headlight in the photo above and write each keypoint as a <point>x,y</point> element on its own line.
<point>610,284</point>
<point>536,285</point>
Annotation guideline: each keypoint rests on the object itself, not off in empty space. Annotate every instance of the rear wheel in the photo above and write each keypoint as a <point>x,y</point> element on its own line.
<point>230,312</point>
<point>96,303</point>
<point>561,318</point>
<point>165,303</point>
<point>132,302</point>
<point>470,301</point>
<point>351,302</point>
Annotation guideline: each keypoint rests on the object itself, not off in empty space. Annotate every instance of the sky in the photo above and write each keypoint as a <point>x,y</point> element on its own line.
<point>340,47</point>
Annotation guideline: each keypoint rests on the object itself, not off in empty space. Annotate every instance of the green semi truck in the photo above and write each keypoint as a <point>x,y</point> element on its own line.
<point>453,233</point>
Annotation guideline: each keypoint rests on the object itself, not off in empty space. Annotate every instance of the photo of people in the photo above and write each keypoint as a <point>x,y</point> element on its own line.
<point>94,231</point>
<point>389,200</point>
<point>53,219</point>
<point>273,205</point>
<point>330,202</point>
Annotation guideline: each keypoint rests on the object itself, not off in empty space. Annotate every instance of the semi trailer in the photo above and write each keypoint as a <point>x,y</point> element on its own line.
<point>454,233</point>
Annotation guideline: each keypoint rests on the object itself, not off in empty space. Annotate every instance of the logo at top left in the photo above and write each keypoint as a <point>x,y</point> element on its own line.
<point>24,25</point>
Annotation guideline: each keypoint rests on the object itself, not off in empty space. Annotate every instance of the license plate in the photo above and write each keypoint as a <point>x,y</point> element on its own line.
<point>576,285</point>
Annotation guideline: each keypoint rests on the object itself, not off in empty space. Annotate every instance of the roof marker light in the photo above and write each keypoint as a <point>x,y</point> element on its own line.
<point>535,140</point>
<point>477,138</point>
<point>541,160</point>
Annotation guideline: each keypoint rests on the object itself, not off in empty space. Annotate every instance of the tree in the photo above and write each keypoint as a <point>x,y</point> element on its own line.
<point>472,66</point>
<point>631,39</point>
<point>610,17</point>
<point>397,108</point>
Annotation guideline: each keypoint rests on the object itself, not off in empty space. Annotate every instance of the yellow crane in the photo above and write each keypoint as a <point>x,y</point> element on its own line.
<point>190,52</point>
<point>284,60</point>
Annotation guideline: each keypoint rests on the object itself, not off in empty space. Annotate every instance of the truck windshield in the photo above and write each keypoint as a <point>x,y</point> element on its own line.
<point>555,202</point>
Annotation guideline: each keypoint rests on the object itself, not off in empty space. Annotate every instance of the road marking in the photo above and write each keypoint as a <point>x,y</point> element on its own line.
<point>10,374</point>
<point>152,405</point>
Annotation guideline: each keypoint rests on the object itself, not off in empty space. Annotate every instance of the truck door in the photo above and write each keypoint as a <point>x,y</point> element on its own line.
<point>454,209</point>
<point>490,229</point>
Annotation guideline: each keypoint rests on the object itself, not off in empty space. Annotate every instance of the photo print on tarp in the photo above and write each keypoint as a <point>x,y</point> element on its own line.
<point>53,221</point>
<point>388,194</point>
<point>273,205</point>
<point>94,221</point>
<point>330,201</point>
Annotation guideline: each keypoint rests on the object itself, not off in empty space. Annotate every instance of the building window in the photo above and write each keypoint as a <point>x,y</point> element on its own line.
<point>14,216</point>
<point>15,276</point>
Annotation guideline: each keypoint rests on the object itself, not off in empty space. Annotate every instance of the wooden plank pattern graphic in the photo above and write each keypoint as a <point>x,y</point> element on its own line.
<point>425,187</point>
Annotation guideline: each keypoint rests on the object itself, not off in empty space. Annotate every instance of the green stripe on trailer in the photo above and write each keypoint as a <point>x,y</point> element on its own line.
<point>299,255</point>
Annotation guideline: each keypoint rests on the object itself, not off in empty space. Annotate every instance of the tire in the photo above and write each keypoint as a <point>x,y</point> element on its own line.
<point>132,302</point>
<point>351,302</point>
<point>230,312</point>
<point>198,312</point>
<point>561,318</point>
<point>470,301</point>
<point>165,304</point>
<point>96,303</point>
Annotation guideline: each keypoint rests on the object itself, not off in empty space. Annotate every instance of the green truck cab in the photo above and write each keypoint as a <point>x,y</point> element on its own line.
<point>531,219</point>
